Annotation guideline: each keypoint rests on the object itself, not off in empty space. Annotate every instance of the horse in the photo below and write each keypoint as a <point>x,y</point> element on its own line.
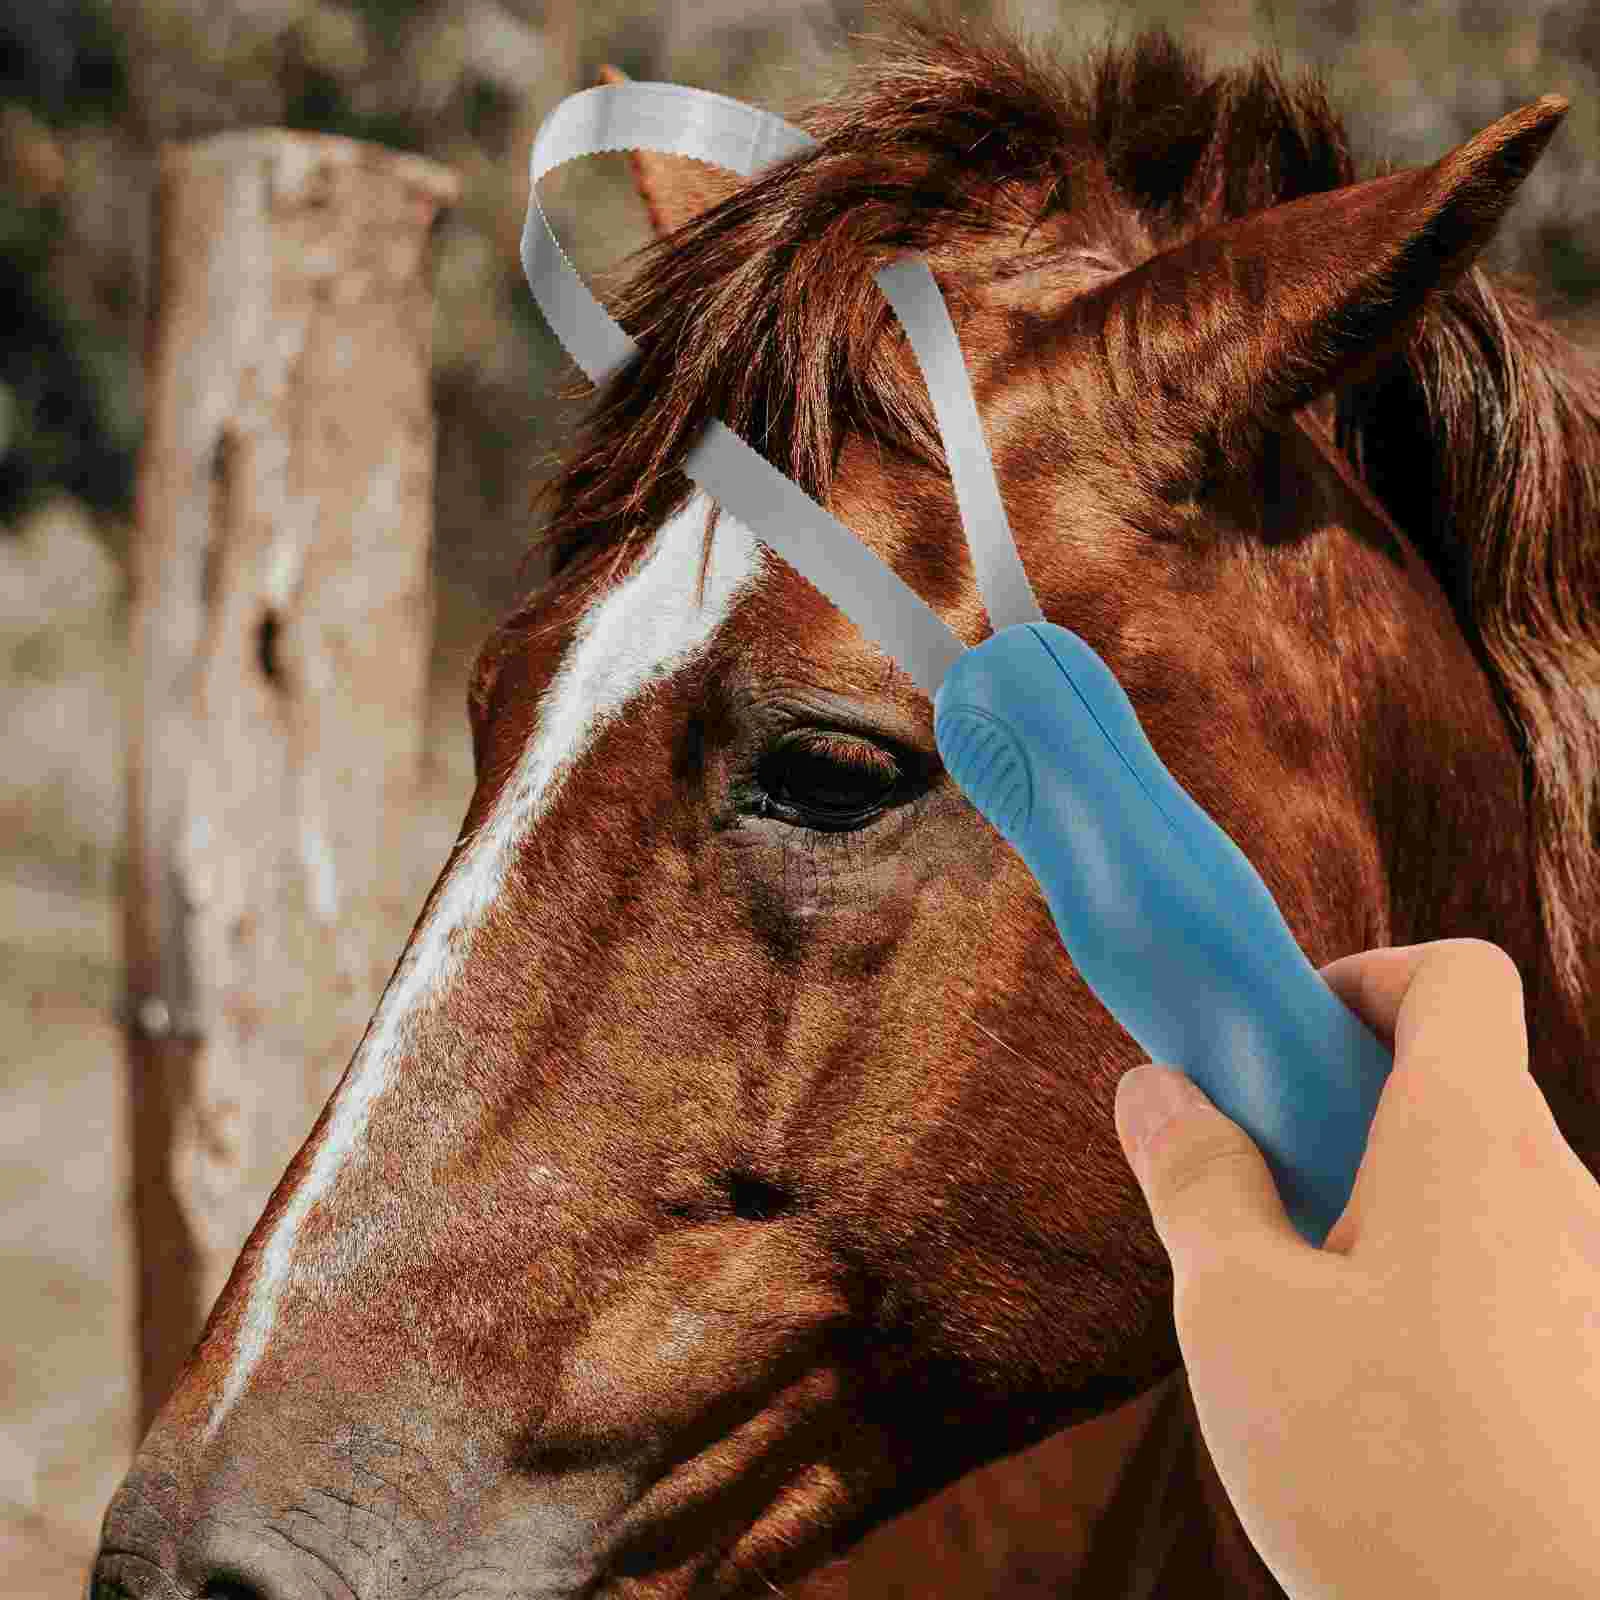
<point>728,1170</point>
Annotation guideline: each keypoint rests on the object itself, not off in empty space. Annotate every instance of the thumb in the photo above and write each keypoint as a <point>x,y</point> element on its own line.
<point>1206,1182</point>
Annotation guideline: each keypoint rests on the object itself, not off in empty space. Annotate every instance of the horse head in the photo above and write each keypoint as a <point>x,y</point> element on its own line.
<point>729,1163</point>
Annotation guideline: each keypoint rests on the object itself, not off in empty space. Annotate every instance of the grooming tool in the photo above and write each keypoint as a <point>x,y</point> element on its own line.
<point>1159,909</point>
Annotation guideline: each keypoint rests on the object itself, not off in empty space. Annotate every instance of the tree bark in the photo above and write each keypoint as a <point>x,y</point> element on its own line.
<point>280,621</point>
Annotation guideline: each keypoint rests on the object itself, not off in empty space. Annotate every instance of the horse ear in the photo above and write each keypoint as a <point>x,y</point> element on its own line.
<point>1257,317</point>
<point>674,188</point>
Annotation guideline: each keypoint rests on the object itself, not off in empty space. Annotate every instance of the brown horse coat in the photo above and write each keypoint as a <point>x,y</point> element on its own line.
<point>729,1166</point>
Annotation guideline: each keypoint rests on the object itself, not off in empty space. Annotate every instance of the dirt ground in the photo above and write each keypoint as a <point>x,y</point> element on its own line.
<point>67,1394</point>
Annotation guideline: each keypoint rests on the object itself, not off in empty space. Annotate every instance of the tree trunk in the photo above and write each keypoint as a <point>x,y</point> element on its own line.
<point>280,625</point>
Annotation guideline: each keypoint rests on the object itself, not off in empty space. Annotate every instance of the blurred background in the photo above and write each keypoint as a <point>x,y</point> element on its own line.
<point>89,90</point>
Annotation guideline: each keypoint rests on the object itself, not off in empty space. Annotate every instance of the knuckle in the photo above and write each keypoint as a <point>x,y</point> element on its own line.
<point>1204,1160</point>
<point>1486,957</point>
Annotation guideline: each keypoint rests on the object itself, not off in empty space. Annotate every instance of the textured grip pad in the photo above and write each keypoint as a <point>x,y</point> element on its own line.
<point>991,767</point>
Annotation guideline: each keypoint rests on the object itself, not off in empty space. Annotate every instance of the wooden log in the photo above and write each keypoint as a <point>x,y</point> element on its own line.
<point>281,615</point>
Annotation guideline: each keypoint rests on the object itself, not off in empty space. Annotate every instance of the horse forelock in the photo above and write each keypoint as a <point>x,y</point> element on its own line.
<point>955,139</point>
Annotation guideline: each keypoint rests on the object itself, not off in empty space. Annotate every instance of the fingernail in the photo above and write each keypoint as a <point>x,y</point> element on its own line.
<point>1144,1107</point>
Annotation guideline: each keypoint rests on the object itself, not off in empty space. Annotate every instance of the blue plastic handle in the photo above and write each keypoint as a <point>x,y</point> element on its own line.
<point>1159,909</point>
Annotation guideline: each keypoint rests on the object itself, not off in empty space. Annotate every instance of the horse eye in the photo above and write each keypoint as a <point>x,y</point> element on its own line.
<point>830,777</point>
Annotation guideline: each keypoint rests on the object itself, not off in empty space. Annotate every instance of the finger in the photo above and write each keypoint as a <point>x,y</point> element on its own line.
<point>1481,981</point>
<point>1373,983</point>
<point>1452,1013</point>
<point>1461,1021</point>
<point>1210,1192</point>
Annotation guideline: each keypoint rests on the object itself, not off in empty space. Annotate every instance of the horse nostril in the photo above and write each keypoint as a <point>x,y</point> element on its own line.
<point>231,1589</point>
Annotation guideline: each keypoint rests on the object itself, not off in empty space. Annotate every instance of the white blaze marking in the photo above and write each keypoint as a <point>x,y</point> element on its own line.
<point>637,635</point>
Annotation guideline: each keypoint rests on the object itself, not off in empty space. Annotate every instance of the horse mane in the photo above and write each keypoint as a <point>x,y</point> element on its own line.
<point>1501,495</point>
<point>1481,435</point>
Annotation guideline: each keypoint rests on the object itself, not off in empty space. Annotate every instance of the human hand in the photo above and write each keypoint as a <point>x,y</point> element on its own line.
<point>1414,1409</point>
